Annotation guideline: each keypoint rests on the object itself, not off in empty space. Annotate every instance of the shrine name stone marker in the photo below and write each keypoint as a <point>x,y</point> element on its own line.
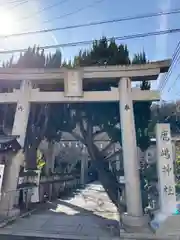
<point>166,222</point>
<point>165,169</point>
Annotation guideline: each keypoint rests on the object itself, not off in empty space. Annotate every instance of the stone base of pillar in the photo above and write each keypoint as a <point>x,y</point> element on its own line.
<point>10,213</point>
<point>164,225</point>
<point>135,224</point>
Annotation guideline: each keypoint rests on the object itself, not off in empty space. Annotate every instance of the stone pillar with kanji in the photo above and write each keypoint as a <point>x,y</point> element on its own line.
<point>134,216</point>
<point>22,112</point>
<point>165,170</point>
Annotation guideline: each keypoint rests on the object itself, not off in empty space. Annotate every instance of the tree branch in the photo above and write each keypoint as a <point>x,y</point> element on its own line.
<point>77,137</point>
<point>107,147</point>
<point>113,154</point>
<point>5,116</point>
<point>42,113</point>
<point>83,131</point>
<point>95,134</point>
<point>46,119</point>
<point>89,130</point>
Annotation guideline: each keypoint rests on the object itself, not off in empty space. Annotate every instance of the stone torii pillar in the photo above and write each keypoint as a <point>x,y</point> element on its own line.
<point>22,112</point>
<point>12,169</point>
<point>134,216</point>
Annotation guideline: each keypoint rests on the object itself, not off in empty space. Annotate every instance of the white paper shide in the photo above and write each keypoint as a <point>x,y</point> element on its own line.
<point>1,176</point>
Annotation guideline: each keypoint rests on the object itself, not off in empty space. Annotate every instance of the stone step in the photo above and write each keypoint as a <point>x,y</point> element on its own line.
<point>146,236</point>
<point>125,236</point>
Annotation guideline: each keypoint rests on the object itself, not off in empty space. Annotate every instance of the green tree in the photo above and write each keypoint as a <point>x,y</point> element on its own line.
<point>167,112</point>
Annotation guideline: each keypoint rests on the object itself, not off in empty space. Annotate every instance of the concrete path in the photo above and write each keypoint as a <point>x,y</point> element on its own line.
<point>87,215</point>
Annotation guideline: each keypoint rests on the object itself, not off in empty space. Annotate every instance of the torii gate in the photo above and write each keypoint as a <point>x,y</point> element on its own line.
<point>73,80</point>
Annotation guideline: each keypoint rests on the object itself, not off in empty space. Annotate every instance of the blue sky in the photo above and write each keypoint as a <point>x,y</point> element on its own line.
<point>24,17</point>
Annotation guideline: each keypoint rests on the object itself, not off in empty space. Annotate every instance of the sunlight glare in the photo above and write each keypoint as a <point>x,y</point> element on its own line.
<point>7,23</point>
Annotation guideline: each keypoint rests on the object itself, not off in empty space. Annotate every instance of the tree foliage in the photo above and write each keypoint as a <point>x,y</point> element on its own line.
<point>166,112</point>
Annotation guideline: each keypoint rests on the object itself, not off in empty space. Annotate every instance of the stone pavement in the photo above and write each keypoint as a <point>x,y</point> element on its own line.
<point>87,215</point>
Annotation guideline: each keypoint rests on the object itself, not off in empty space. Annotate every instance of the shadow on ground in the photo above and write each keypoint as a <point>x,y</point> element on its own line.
<point>83,202</point>
<point>83,212</point>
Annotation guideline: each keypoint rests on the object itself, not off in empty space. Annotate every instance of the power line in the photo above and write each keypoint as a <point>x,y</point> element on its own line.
<point>55,5</point>
<point>175,59</point>
<point>12,2</point>
<point>167,75</point>
<point>19,4</point>
<point>148,15</point>
<point>73,44</point>
<point>42,10</point>
<point>141,16</point>
<point>177,78</point>
<point>74,12</point>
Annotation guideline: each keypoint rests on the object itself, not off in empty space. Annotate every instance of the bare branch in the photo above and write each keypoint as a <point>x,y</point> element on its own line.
<point>33,114</point>
<point>46,119</point>
<point>5,116</point>
<point>78,137</point>
<point>107,147</point>
<point>40,114</point>
<point>89,130</point>
<point>82,129</point>
<point>97,132</point>
<point>113,154</point>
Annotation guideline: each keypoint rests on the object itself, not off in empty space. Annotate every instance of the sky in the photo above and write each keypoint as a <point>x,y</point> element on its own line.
<point>23,15</point>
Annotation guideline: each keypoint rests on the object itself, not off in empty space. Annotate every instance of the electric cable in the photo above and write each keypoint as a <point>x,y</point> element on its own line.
<point>42,10</point>
<point>175,59</point>
<point>148,15</point>
<point>87,42</point>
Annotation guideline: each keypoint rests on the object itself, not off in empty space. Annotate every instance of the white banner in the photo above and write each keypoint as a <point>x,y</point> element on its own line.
<point>35,190</point>
<point>1,175</point>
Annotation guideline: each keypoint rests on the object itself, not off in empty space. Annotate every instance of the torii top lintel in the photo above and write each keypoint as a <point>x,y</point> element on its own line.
<point>136,72</point>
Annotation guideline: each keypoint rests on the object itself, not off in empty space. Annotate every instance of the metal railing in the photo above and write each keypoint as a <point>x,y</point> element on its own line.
<point>14,202</point>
